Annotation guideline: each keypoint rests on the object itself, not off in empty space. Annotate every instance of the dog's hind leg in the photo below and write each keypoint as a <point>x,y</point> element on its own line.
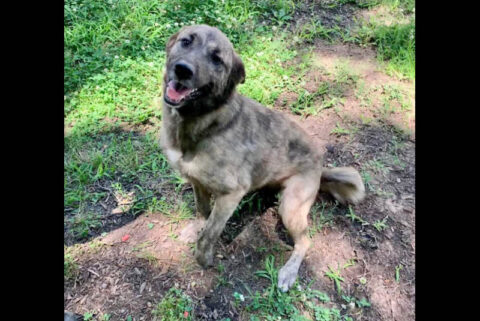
<point>202,200</point>
<point>222,210</point>
<point>298,196</point>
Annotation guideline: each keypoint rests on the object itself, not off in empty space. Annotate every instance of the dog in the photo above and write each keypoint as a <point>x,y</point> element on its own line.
<point>227,145</point>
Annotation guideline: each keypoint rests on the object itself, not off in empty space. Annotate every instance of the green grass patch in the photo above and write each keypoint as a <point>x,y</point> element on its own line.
<point>381,225</point>
<point>69,266</point>
<point>174,306</point>
<point>118,170</point>
<point>114,54</point>
<point>321,217</point>
<point>295,304</point>
<point>395,41</point>
<point>112,161</point>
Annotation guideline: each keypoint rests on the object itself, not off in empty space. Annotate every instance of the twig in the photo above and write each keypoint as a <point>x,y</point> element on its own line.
<point>93,272</point>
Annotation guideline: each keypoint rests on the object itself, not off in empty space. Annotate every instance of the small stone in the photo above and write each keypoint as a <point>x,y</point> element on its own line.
<point>398,180</point>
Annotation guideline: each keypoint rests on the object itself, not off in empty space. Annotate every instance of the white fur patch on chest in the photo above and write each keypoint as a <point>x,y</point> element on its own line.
<point>173,156</point>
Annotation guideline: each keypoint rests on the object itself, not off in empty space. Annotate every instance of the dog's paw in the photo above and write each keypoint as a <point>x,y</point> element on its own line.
<point>190,232</point>
<point>286,278</point>
<point>205,259</point>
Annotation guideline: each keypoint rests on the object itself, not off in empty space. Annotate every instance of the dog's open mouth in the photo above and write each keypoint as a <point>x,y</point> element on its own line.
<point>177,93</point>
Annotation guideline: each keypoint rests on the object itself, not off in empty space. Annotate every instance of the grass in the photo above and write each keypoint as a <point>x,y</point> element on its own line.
<point>354,217</point>
<point>121,170</point>
<point>336,278</point>
<point>380,225</point>
<point>398,268</point>
<point>174,306</point>
<point>394,39</point>
<point>69,265</point>
<point>114,54</point>
<point>322,216</point>
<point>274,304</point>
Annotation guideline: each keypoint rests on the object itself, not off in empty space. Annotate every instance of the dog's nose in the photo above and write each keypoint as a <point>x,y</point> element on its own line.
<point>183,71</point>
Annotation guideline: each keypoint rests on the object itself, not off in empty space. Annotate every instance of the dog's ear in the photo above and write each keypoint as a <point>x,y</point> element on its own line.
<point>171,42</point>
<point>238,70</point>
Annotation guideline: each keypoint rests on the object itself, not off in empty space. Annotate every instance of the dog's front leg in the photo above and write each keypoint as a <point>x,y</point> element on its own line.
<point>222,210</point>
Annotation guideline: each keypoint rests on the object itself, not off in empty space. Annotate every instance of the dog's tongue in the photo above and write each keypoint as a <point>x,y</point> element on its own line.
<point>176,92</point>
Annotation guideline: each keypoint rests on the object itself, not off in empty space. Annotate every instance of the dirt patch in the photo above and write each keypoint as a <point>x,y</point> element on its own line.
<point>386,158</point>
<point>376,95</point>
<point>132,267</point>
<point>330,13</point>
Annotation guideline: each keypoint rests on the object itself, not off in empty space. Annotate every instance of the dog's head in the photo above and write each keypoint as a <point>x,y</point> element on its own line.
<point>202,70</point>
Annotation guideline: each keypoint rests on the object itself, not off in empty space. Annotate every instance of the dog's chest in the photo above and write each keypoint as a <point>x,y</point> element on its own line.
<point>173,155</point>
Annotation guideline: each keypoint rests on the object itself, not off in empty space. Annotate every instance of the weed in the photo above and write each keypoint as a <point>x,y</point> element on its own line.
<point>83,224</point>
<point>336,278</point>
<point>88,316</point>
<point>397,272</point>
<point>150,257</point>
<point>320,217</point>
<point>351,214</point>
<point>274,304</point>
<point>380,225</point>
<point>174,306</point>
<point>339,130</point>
<point>180,213</point>
<point>106,317</point>
<point>141,246</point>
<point>349,263</point>
<point>314,30</point>
<point>377,166</point>
<point>363,303</point>
<point>367,179</point>
<point>344,74</point>
<point>69,266</point>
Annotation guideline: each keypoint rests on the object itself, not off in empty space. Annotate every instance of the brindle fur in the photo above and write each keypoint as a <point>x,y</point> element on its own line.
<point>227,145</point>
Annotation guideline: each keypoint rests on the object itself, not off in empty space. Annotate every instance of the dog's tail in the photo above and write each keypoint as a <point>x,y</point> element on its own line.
<point>344,183</point>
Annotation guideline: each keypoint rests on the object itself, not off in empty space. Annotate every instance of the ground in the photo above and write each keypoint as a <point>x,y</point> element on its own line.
<point>129,219</point>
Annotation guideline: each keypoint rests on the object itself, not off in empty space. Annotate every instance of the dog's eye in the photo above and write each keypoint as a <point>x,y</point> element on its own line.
<point>216,59</point>
<point>185,42</point>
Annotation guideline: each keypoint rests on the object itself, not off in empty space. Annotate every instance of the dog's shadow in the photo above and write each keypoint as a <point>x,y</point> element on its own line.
<point>252,205</point>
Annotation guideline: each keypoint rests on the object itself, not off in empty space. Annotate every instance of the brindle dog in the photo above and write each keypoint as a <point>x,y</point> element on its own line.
<point>227,145</point>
